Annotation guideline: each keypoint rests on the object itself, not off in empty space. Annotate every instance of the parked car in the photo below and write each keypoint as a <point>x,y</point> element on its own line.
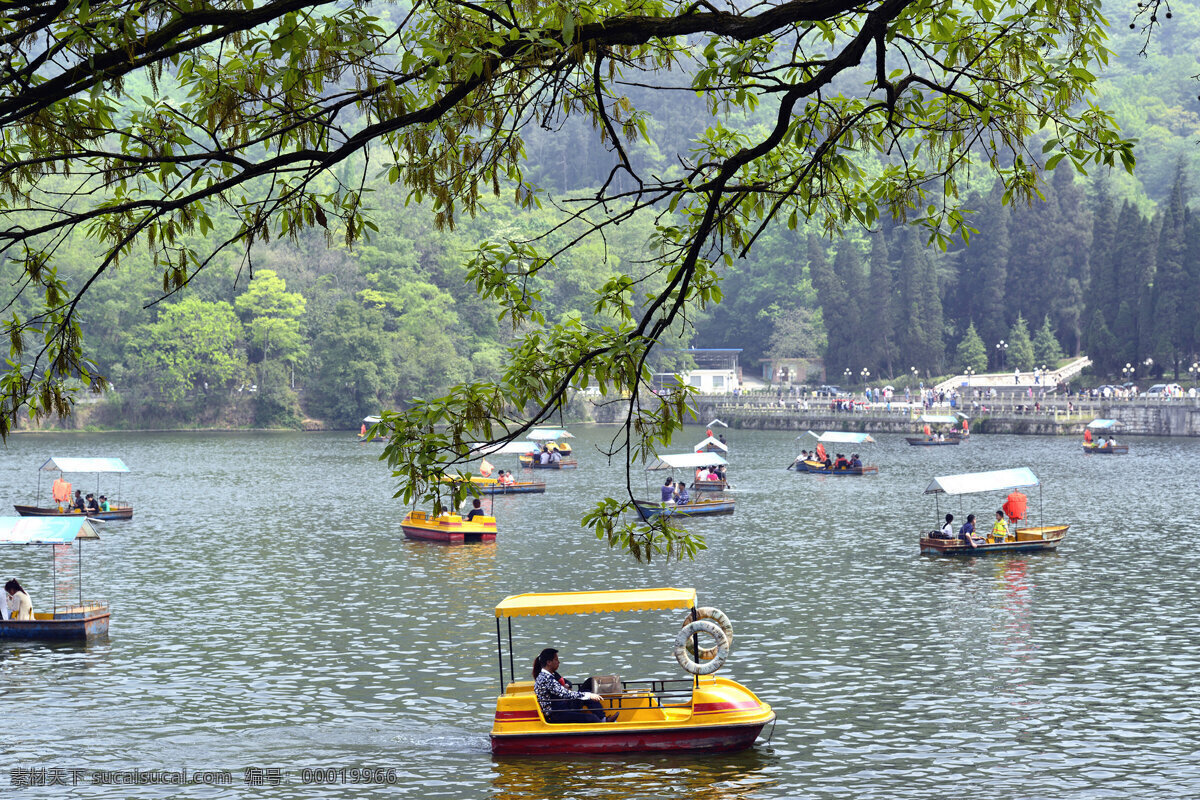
<point>1165,390</point>
<point>829,391</point>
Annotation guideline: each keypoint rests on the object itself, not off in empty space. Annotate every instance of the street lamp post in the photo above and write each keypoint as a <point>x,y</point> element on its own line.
<point>1149,364</point>
<point>847,373</point>
<point>1001,353</point>
<point>970,371</point>
<point>1193,370</point>
<point>1127,371</point>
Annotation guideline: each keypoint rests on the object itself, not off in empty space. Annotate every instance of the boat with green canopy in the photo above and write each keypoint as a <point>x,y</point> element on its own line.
<point>80,621</point>
<point>1016,539</point>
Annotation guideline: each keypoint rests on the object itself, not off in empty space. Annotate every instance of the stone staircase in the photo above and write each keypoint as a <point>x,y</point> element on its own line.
<point>1006,380</point>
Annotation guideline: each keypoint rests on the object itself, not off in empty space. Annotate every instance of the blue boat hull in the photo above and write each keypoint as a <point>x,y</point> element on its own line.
<point>65,626</point>
<point>524,488</point>
<point>122,512</point>
<point>703,508</point>
<point>805,466</point>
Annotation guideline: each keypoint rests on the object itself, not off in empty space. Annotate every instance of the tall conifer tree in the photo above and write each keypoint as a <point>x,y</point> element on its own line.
<point>1073,239</point>
<point>1101,294</point>
<point>882,308</point>
<point>1171,280</point>
<point>993,302</point>
<point>854,314</point>
<point>1020,348</point>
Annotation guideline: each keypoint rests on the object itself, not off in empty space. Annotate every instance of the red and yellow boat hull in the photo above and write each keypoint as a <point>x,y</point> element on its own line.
<point>722,716</point>
<point>448,528</point>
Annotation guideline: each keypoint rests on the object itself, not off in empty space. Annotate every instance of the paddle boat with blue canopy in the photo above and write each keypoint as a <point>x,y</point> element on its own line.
<point>696,506</point>
<point>1104,445</point>
<point>933,437</point>
<point>817,467</point>
<point>554,441</point>
<point>81,621</point>
<point>60,508</point>
<point>1018,540</point>
<point>699,713</point>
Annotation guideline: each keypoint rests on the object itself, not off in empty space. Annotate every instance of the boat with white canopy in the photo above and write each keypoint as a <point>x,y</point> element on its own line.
<point>819,462</point>
<point>946,434</point>
<point>695,507</point>
<point>553,439</point>
<point>711,444</point>
<point>61,489</point>
<point>490,485</point>
<point>1014,508</point>
<point>79,621</point>
<point>1103,444</point>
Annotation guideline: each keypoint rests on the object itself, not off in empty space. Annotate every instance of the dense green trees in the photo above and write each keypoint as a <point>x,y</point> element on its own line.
<point>193,346</point>
<point>180,140</point>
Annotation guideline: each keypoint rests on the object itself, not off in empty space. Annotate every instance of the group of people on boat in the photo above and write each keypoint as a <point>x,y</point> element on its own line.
<point>560,702</point>
<point>61,492</point>
<point>1014,509</point>
<point>675,493</point>
<point>16,603</point>
<point>711,473</point>
<point>505,478</point>
<point>549,455</point>
<point>819,456</point>
<point>1109,441</point>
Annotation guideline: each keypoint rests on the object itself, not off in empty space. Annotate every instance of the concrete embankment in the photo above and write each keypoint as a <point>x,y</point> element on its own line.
<point>1167,418</point>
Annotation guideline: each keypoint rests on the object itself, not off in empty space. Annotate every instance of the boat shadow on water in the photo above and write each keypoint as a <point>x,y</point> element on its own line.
<point>733,775</point>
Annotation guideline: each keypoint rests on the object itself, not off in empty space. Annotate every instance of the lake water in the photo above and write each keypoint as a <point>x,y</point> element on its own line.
<point>270,620</point>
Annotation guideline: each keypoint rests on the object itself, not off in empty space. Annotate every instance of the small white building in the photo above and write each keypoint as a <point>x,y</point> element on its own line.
<point>716,371</point>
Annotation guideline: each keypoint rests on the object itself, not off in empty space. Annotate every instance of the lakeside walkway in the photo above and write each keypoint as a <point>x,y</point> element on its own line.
<point>1007,413</point>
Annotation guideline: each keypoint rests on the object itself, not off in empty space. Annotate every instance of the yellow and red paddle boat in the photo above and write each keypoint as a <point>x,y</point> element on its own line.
<point>448,528</point>
<point>702,712</point>
<point>493,486</point>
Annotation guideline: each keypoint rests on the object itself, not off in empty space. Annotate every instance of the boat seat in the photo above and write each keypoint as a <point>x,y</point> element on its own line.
<point>607,684</point>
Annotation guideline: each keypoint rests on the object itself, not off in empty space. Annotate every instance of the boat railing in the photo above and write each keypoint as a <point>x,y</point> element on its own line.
<point>88,608</point>
<point>653,693</point>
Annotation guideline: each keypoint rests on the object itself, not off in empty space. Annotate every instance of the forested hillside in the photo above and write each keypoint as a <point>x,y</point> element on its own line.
<point>1107,264</point>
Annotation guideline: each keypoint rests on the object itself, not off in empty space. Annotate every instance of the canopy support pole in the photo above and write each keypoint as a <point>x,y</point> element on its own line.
<point>500,654</point>
<point>80,573</point>
<point>54,578</point>
<point>511,669</point>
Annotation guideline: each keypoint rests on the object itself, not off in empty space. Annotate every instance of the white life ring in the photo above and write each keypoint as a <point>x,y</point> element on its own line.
<point>684,658</point>
<point>717,616</point>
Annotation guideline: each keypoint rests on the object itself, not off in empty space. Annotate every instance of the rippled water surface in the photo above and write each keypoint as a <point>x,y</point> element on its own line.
<point>268,613</point>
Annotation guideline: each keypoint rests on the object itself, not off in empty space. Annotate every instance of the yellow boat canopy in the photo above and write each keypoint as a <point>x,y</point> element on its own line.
<point>545,604</point>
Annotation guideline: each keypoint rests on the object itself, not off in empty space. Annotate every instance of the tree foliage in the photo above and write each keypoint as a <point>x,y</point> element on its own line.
<point>254,111</point>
